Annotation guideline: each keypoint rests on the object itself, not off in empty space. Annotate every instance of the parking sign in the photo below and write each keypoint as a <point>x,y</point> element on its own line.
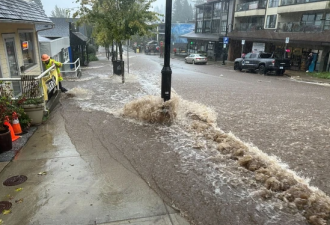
<point>225,40</point>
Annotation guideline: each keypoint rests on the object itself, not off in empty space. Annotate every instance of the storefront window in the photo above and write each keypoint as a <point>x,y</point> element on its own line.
<point>29,57</point>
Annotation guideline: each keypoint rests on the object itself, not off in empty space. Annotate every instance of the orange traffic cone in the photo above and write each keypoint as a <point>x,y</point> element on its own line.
<point>13,136</point>
<point>16,126</point>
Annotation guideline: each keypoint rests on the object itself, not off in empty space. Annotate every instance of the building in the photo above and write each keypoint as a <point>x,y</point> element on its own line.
<point>19,49</point>
<point>290,28</point>
<point>213,23</point>
<point>64,30</point>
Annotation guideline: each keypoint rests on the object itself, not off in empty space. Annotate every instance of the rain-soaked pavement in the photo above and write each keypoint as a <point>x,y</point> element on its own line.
<point>193,163</point>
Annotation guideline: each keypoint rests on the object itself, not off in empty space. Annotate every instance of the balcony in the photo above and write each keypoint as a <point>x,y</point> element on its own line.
<point>255,8</point>
<point>251,5</point>
<point>249,27</point>
<point>289,6</point>
<point>294,2</point>
<point>310,27</point>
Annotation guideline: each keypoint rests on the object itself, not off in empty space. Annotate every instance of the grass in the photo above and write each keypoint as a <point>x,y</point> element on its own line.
<point>324,75</point>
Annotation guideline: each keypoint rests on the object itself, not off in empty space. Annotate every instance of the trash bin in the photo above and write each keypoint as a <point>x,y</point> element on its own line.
<point>118,66</point>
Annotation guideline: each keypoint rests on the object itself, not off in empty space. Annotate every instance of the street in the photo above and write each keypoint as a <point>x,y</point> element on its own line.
<point>277,115</point>
<point>233,148</point>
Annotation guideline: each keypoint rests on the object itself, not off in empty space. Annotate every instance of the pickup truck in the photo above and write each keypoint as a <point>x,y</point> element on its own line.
<point>262,62</point>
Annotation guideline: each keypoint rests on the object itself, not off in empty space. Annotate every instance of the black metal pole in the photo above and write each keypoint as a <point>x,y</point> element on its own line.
<point>166,71</point>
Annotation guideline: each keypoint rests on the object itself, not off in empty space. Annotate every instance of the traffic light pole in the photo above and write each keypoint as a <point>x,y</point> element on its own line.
<point>166,71</point>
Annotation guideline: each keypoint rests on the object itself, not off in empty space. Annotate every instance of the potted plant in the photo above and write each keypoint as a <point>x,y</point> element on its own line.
<point>32,100</point>
<point>7,107</point>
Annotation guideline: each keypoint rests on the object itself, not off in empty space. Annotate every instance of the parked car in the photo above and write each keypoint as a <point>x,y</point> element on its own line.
<point>196,59</point>
<point>262,62</point>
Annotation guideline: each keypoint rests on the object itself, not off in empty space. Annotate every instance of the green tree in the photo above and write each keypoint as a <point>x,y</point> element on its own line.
<point>117,20</point>
<point>59,12</point>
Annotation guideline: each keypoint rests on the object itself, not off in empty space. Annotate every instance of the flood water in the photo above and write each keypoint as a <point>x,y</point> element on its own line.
<point>181,151</point>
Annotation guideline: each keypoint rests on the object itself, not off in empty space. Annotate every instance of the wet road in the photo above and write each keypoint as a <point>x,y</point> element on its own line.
<point>279,116</point>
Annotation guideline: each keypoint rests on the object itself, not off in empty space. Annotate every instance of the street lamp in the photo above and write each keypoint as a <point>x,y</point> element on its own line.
<point>166,71</point>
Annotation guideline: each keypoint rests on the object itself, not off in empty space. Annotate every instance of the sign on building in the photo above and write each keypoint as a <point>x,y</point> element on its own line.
<point>258,47</point>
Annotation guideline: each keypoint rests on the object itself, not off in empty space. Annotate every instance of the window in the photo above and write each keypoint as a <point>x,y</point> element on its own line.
<point>199,26</point>
<point>327,22</point>
<point>28,51</point>
<point>271,21</point>
<point>215,26</point>
<point>207,26</point>
<point>253,55</point>
<point>273,3</point>
<point>223,26</point>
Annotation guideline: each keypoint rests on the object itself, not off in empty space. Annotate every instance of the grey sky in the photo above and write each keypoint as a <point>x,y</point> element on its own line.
<point>50,5</point>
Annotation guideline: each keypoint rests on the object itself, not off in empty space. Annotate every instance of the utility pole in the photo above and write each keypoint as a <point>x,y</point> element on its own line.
<point>166,71</point>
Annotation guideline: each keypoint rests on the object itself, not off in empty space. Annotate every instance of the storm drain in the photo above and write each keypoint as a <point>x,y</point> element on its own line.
<point>15,180</point>
<point>5,205</point>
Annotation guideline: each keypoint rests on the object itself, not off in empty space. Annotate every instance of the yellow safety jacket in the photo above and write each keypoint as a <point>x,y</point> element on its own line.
<point>58,65</point>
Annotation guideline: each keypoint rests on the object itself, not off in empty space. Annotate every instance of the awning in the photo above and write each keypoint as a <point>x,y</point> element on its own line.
<point>78,38</point>
<point>201,36</point>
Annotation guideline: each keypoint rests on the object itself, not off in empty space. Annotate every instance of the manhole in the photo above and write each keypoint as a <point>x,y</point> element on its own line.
<point>5,205</point>
<point>16,180</point>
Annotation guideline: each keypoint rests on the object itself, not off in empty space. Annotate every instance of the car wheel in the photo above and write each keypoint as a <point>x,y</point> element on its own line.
<point>262,69</point>
<point>280,72</point>
<point>237,67</point>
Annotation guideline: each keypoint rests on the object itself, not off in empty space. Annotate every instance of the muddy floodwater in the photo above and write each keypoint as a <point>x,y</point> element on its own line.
<point>196,163</point>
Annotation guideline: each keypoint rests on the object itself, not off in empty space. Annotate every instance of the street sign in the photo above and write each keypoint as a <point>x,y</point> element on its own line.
<point>286,40</point>
<point>224,45</point>
<point>225,40</point>
<point>243,42</point>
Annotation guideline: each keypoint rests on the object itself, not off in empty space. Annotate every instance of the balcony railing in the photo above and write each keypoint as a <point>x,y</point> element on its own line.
<point>312,27</point>
<point>251,5</point>
<point>293,2</point>
<point>248,27</point>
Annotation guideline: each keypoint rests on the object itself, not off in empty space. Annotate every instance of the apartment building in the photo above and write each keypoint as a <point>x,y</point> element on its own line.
<point>290,28</point>
<point>213,22</point>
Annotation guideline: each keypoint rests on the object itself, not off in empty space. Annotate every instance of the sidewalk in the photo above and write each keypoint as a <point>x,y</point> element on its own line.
<point>293,74</point>
<point>65,187</point>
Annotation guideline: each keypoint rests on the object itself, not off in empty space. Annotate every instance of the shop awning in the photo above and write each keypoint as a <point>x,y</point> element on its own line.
<point>201,36</point>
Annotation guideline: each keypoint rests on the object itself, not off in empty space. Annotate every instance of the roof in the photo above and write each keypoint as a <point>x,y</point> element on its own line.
<point>78,38</point>
<point>61,28</point>
<point>20,10</point>
<point>201,36</point>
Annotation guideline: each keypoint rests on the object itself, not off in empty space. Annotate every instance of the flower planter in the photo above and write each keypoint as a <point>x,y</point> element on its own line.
<point>35,112</point>
<point>5,141</point>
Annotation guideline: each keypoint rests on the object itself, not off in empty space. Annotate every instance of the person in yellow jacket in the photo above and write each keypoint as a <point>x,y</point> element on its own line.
<point>48,62</point>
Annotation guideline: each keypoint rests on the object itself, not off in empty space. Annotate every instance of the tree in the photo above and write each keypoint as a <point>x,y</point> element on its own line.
<point>187,12</point>
<point>117,20</point>
<point>59,12</point>
<point>177,11</point>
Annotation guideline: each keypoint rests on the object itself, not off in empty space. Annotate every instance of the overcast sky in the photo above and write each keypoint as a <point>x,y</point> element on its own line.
<point>69,4</point>
<point>50,5</point>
